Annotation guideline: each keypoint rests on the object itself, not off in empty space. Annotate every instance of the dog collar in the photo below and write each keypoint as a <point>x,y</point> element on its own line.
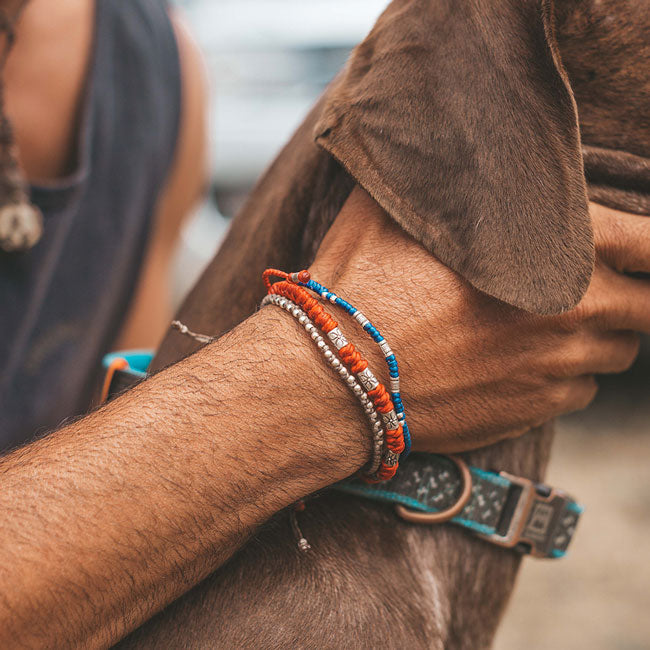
<point>501,508</point>
<point>507,510</point>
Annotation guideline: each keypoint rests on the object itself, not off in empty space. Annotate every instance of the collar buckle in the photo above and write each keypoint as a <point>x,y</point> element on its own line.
<point>538,519</point>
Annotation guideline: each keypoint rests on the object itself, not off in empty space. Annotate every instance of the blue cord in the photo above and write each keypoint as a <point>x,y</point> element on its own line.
<point>376,336</point>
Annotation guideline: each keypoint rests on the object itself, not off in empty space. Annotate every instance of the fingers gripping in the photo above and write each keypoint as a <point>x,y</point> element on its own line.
<point>622,239</point>
<point>618,302</point>
<point>610,352</point>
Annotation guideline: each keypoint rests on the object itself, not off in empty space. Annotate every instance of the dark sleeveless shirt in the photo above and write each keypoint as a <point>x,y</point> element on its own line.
<point>62,303</point>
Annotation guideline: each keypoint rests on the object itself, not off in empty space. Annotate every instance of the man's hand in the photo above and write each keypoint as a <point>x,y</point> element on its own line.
<point>474,369</point>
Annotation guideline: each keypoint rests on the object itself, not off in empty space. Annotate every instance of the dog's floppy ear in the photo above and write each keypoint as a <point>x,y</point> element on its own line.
<point>458,118</point>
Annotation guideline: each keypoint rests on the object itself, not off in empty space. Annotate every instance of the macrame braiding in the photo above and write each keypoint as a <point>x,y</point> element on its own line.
<point>21,223</point>
<point>310,305</point>
<point>380,397</point>
<point>352,359</point>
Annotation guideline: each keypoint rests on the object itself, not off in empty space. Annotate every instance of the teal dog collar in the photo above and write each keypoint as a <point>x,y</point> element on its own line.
<point>506,510</point>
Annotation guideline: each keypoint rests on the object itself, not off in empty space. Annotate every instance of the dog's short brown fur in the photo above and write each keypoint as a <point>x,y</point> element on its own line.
<point>469,121</point>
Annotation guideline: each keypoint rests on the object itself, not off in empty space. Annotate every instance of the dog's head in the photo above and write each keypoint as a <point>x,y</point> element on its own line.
<point>465,120</point>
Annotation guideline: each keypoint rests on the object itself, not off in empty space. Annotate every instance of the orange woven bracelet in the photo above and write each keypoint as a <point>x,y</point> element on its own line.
<point>355,363</point>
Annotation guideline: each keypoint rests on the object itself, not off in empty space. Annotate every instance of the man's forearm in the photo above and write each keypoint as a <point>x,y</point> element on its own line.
<point>111,518</point>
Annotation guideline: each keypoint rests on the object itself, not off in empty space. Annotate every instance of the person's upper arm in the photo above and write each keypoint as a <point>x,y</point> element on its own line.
<point>151,308</point>
<point>189,174</point>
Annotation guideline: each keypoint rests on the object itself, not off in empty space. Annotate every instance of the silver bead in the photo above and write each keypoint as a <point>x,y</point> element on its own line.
<point>394,385</point>
<point>385,348</point>
<point>390,420</point>
<point>361,319</point>
<point>367,379</point>
<point>337,338</point>
<point>391,458</point>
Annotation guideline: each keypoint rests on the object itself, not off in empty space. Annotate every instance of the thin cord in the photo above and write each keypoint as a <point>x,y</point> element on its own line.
<point>183,329</point>
<point>303,544</point>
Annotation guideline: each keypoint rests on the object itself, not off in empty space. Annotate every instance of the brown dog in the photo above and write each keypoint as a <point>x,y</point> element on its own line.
<point>481,126</point>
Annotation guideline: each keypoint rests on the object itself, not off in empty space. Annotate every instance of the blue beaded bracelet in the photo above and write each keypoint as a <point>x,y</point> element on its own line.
<point>376,336</point>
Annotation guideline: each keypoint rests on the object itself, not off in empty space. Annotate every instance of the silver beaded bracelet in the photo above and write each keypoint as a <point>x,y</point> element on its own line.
<point>346,376</point>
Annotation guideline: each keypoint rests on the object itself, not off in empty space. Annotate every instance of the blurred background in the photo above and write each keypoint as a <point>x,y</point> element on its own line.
<point>268,60</point>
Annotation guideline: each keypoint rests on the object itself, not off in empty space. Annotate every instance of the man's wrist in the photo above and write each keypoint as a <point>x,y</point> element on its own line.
<point>310,418</point>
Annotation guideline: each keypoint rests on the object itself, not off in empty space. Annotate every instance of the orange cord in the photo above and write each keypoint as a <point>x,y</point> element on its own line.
<point>115,365</point>
<point>349,354</point>
<point>273,273</point>
<point>311,306</point>
<point>352,358</point>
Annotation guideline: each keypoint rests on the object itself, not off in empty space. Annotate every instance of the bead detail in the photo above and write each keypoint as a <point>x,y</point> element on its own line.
<point>349,379</point>
<point>353,364</point>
